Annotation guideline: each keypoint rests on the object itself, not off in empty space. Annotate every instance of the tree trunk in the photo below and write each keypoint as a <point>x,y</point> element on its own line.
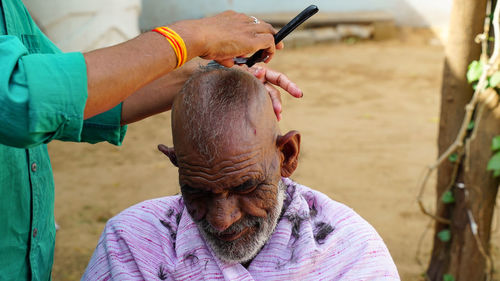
<point>461,256</point>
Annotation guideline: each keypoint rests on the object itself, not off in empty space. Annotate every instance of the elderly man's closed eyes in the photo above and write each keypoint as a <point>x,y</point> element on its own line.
<point>240,217</point>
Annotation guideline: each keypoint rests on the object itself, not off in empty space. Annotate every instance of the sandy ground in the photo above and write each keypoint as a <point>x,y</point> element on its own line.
<point>369,125</point>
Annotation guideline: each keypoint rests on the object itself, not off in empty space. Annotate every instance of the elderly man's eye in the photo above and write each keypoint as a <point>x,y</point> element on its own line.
<point>243,189</point>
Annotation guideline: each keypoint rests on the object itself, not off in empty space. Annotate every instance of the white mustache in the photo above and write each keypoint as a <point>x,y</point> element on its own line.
<point>236,227</point>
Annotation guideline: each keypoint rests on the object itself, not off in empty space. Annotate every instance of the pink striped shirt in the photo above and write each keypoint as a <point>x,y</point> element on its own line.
<point>315,239</point>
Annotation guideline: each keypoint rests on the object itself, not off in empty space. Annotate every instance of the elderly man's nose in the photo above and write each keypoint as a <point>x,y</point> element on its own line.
<point>224,212</point>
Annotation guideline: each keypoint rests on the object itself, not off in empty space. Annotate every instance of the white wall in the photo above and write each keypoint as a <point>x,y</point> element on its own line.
<point>433,13</point>
<point>76,25</point>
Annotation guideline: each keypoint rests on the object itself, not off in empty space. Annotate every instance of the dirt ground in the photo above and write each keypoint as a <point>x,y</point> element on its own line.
<point>369,126</point>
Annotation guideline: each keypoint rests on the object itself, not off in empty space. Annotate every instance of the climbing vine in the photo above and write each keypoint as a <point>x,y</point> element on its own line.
<point>473,74</point>
<point>484,75</point>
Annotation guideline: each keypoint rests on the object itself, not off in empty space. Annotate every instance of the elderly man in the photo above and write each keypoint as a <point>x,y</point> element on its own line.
<point>240,217</point>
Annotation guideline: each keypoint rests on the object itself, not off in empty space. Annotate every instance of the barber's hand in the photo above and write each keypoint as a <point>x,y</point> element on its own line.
<point>272,78</point>
<point>227,35</point>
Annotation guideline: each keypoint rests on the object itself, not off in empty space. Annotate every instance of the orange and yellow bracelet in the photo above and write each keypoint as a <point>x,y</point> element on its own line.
<point>176,42</point>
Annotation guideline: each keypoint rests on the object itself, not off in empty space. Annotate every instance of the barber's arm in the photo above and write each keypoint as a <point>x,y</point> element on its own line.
<point>116,72</point>
<point>158,96</point>
<point>47,95</point>
<point>272,78</point>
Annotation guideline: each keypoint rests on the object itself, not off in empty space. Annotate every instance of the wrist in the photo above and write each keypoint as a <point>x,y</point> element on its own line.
<point>176,42</point>
<point>193,37</point>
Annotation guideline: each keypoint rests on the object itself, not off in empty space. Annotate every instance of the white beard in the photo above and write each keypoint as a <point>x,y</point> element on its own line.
<point>247,247</point>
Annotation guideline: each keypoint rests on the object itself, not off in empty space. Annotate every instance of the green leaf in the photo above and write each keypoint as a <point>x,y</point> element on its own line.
<point>495,143</point>
<point>494,163</point>
<point>475,70</point>
<point>453,158</point>
<point>448,277</point>
<point>471,125</point>
<point>444,235</point>
<point>448,197</point>
<point>495,79</point>
<point>496,173</point>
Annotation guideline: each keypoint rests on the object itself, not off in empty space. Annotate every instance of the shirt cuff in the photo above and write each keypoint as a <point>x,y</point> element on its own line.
<point>105,127</point>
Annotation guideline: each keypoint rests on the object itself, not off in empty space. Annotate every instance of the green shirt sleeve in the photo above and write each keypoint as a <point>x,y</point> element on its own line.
<point>43,97</point>
<point>105,127</point>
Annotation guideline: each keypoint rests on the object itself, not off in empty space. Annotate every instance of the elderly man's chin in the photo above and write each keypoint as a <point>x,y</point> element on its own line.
<point>242,241</point>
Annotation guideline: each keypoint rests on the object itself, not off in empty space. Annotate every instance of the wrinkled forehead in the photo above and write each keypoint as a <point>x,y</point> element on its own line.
<point>231,167</point>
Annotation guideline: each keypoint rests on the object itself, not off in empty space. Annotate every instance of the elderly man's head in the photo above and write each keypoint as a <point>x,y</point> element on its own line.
<point>231,158</point>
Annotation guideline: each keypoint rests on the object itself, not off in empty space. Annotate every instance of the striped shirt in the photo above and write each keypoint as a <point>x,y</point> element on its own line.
<point>315,239</point>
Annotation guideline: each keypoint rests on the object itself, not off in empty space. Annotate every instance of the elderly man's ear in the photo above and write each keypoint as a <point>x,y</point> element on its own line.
<point>289,146</point>
<point>170,152</point>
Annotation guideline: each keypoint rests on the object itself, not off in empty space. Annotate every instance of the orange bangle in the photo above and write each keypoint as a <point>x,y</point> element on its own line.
<point>176,42</point>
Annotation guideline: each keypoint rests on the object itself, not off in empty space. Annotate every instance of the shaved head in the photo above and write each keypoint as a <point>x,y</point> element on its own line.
<point>216,105</point>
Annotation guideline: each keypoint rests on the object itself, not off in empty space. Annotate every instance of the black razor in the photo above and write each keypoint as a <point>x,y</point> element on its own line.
<point>287,29</point>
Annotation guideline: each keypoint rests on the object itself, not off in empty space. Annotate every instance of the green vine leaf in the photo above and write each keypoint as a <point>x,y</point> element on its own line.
<point>453,158</point>
<point>475,70</point>
<point>448,277</point>
<point>496,173</point>
<point>471,125</point>
<point>494,163</point>
<point>495,143</point>
<point>448,197</point>
<point>495,79</point>
<point>444,235</point>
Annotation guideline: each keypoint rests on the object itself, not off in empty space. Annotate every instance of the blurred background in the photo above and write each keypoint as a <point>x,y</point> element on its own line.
<point>371,75</point>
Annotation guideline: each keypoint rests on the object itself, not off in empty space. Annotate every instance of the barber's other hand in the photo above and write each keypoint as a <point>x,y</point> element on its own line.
<point>227,35</point>
<point>271,77</point>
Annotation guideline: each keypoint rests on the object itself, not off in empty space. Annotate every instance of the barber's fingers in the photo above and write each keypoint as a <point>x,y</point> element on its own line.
<point>257,71</point>
<point>266,42</point>
<point>230,34</point>
<point>281,80</point>
<point>275,99</point>
<point>263,27</point>
<point>267,75</point>
<point>269,53</point>
<point>272,78</point>
<point>226,62</point>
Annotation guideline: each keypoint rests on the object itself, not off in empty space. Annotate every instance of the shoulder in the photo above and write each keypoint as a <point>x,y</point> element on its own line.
<point>155,219</point>
<point>149,226</point>
<point>149,212</point>
<point>139,242</point>
<point>323,208</point>
<point>346,237</point>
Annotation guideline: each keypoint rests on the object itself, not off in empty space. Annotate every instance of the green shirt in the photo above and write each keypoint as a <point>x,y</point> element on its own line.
<point>42,96</point>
